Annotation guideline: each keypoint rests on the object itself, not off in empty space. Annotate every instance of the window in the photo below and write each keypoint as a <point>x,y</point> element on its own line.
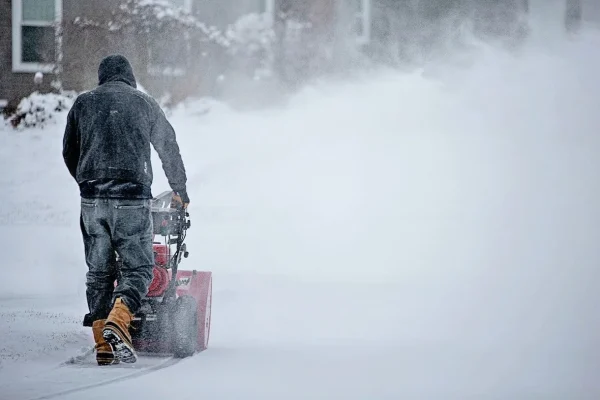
<point>35,44</point>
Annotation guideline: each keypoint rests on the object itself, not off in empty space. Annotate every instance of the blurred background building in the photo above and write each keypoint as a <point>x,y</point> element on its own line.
<point>182,48</point>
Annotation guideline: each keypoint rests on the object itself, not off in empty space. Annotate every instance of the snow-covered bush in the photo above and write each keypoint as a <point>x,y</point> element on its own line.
<point>251,40</point>
<point>173,51</point>
<point>145,16</point>
<point>37,109</point>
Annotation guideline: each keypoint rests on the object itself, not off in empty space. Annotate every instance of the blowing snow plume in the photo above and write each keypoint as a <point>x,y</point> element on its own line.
<point>470,195</point>
<point>404,234</point>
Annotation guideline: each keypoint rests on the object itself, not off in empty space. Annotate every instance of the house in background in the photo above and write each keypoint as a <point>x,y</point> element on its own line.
<point>312,37</point>
<point>43,36</point>
<point>33,40</point>
<point>27,45</point>
<point>48,36</point>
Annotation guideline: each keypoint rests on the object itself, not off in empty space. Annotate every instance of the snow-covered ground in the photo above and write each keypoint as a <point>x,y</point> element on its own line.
<point>400,236</point>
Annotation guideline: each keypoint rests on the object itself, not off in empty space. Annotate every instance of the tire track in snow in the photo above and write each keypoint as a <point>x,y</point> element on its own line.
<point>163,363</point>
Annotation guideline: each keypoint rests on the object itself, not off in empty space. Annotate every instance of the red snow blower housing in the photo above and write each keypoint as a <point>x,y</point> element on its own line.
<point>175,315</point>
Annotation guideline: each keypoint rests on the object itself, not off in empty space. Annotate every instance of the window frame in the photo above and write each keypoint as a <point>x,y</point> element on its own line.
<point>18,65</point>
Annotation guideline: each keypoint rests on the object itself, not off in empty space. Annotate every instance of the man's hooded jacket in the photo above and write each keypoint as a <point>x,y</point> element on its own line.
<point>106,144</point>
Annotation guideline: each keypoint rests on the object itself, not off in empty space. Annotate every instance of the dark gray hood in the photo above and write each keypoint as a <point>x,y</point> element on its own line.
<point>116,68</point>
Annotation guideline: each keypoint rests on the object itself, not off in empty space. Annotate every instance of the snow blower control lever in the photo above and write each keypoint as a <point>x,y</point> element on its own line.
<point>171,221</point>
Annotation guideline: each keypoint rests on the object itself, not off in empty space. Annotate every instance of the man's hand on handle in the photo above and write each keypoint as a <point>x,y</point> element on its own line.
<point>181,198</point>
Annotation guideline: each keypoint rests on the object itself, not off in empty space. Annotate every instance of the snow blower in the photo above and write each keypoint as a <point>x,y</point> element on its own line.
<point>174,318</point>
<point>175,315</point>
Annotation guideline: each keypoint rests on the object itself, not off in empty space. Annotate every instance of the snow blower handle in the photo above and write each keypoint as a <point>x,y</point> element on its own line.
<point>182,225</point>
<point>180,200</point>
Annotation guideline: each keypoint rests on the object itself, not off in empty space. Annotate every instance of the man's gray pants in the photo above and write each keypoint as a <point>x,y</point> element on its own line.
<point>124,226</point>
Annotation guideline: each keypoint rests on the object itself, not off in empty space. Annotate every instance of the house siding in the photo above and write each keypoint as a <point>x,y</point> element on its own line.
<point>14,86</point>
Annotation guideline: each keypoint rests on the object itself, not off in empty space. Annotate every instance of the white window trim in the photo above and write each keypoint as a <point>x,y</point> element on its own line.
<point>365,18</point>
<point>17,64</point>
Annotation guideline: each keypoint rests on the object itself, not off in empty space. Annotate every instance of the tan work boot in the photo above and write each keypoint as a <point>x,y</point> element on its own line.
<point>104,353</point>
<point>116,332</point>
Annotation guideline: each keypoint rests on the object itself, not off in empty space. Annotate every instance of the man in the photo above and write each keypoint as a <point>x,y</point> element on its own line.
<point>106,148</point>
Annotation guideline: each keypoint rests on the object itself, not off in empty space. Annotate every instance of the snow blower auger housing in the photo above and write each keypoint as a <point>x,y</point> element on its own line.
<point>175,315</point>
